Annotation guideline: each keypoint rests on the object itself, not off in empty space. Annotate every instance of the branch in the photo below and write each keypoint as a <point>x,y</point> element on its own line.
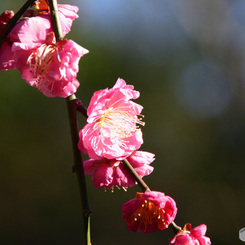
<point>78,166</point>
<point>72,114</point>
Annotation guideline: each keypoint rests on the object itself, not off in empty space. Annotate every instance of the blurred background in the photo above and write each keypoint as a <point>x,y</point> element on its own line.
<point>187,60</point>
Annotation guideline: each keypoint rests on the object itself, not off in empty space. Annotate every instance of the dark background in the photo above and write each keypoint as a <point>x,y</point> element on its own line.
<point>187,59</point>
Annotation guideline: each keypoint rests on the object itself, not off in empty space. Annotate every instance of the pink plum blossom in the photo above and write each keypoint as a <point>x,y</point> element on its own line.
<point>189,236</point>
<point>31,33</point>
<point>148,212</point>
<point>109,173</point>
<point>45,64</point>
<point>52,67</point>
<point>112,131</point>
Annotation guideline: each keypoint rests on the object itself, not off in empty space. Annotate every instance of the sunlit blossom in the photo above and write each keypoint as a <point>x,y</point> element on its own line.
<point>109,173</point>
<point>32,32</point>
<point>52,67</point>
<point>49,65</point>
<point>112,130</point>
<point>148,212</point>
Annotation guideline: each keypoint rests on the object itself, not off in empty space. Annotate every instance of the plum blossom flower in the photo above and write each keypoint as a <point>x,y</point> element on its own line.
<point>30,33</point>
<point>109,172</point>
<point>112,131</point>
<point>191,236</point>
<point>49,65</point>
<point>148,212</point>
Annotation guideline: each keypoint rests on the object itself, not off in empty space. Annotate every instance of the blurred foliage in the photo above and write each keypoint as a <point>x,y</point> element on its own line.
<point>194,114</point>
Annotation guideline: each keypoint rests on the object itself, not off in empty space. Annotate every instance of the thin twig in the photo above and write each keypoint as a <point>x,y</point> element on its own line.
<point>139,180</point>
<point>55,19</point>
<point>175,227</point>
<point>81,108</point>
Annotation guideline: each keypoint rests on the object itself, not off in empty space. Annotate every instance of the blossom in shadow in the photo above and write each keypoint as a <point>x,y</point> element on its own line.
<point>108,173</point>
<point>148,212</point>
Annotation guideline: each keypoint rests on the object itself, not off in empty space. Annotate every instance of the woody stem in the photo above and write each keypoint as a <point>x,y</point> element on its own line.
<point>72,114</point>
<point>78,166</point>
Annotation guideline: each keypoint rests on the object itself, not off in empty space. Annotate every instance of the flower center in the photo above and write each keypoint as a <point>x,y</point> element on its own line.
<point>121,121</point>
<point>149,214</point>
<point>40,60</point>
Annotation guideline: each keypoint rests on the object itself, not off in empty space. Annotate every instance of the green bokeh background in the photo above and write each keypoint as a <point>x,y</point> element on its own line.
<point>200,159</point>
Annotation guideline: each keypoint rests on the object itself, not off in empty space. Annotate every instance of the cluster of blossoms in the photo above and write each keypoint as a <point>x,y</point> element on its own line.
<point>112,134</point>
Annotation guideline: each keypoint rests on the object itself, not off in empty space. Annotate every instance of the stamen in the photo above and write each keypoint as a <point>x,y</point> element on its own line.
<point>149,214</point>
<point>122,121</point>
<point>41,60</point>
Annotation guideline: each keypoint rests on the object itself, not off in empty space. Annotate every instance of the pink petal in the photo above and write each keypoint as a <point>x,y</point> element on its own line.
<point>199,231</point>
<point>31,31</point>
<point>102,176</point>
